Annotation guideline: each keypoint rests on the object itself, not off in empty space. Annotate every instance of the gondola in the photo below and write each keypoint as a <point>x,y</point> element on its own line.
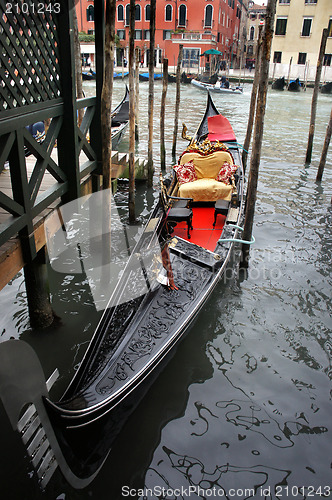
<point>217,88</point>
<point>173,276</point>
<point>179,259</point>
<point>144,77</point>
<point>186,77</point>
<point>326,88</point>
<point>279,84</point>
<point>120,120</point>
<point>89,75</point>
<point>294,85</point>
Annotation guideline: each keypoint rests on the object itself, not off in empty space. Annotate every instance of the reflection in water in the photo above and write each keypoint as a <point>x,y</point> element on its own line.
<point>245,403</point>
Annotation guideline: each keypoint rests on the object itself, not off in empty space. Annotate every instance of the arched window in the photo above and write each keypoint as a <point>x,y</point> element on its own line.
<point>127,21</point>
<point>252,33</point>
<point>168,13</point>
<point>120,13</point>
<point>137,12</point>
<point>208,16</point>
<point>147,12</point>
<point>182,15</point>
<point>90,13</point>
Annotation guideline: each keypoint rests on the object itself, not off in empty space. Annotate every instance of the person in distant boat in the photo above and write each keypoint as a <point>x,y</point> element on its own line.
<point>226,85</point>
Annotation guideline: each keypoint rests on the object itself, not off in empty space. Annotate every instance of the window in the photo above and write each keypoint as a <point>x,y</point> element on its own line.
<point>284,2</point>
<point>90,13</point>
<point>329,29</point>
<point>167,34</point>
<point>120,13</point>
<point>127,20</point>
<point>327,60</point>
<point>252,33</point>
<point>250,50</point>
<point>281,26</point>
<point>138,34</point>
<point>147,12</point>
<point>302,58</point>
<point>121,34</point>
<point>146,34</point>
<point>168,13</point>
<point>182,15</point>
<point>306,27</point>
<point>190,58</point>
<point>307,2</point>
<point>137,12</point>
<point>208,16</point>
<point>277,57</point>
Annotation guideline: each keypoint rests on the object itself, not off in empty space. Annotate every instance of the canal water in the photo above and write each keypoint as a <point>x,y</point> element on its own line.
<point>243,408</point>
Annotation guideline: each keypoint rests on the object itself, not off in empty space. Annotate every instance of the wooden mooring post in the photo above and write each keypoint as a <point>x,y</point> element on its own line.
<point>106,95</point>
<point>132,112</point>
<point>315,96</point>
<point>137,61</point>
<point>162,116</point>
<point>324,151</point>
<point>36,283</point>
<point>177,101</point>
<point>258,130</point>
<point>151,89</point>
<point>253,99</point>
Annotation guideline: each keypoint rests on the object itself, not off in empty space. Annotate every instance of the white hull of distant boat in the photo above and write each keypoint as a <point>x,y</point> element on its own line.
<point>217,87</point>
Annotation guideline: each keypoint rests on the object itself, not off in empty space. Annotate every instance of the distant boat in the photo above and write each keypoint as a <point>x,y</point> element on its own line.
<point>326,88</point>
<point>187,77</point>
<point>279,84</point>
<point>144,77</point>
<point>121,75</point>
<point>89,75</point>
<point>294,85</point>
<point>217,87</point>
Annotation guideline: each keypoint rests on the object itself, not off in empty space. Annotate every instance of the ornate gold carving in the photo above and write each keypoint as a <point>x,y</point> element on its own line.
<point>206,147</point>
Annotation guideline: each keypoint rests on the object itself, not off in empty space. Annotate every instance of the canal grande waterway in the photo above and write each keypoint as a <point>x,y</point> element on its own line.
<point>243,408</point>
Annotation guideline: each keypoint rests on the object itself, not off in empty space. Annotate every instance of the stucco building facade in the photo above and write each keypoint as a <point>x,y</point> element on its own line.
<point>297,38</point>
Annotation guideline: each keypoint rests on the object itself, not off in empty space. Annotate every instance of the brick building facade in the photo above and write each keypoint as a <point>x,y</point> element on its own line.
<point>199,25</point>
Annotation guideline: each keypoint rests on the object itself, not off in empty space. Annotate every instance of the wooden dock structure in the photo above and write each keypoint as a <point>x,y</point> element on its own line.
<point>11,254</point>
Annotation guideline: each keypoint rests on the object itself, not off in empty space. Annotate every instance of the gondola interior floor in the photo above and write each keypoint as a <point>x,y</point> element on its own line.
<point>203,234</point>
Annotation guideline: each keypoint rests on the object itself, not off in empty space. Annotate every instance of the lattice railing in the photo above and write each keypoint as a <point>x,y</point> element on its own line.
<point>36,85</point>
<point>29,56</point>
